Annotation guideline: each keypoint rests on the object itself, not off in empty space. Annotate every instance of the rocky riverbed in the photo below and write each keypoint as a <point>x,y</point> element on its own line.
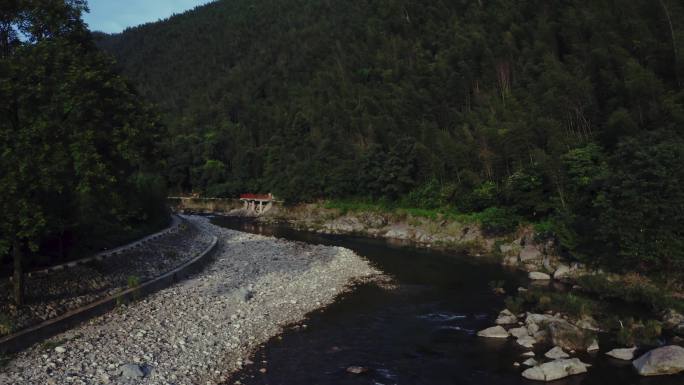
<point>201,330</point>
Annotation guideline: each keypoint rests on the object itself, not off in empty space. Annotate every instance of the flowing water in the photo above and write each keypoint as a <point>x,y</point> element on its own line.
<point>423,332</point>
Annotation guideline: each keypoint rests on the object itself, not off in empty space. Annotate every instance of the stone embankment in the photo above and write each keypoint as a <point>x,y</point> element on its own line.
<point>57,292</point>
<point>204,328</point>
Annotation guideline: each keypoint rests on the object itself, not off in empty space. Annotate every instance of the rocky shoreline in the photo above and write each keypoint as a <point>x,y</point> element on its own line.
<point>204,328</point>
<point>522,249</point>
<point>560,337</point>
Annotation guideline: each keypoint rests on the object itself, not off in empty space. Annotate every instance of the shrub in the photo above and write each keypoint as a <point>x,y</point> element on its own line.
<point>496,220</point>
<point>133,281</point>
<point>625,335</point>
<point>567,303</point>
<point>6,324</point>
<point>631,288</point>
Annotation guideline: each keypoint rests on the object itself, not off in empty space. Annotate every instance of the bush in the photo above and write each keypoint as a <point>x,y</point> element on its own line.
<point>633,333</point>
<point>133,281</point>
<point>633,289</point>
<point>498,221</point>
<point>427,196</point>
<point>481,197</point>
<point>570,304</point>
<point>6,324</point>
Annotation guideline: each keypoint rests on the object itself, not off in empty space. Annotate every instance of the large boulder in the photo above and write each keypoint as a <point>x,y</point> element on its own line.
<point>556,353</point>
<point>561,272</point>
<point>493,332</point>
<point>539,276</point>
<point>518,332</point>
<point>593,346</point>
<point>536,322</point>
<point>568,336</point>
<point>526,342</point>
<point>556,370</point>
<point>506,318</point>
<point>661,361</point>
<point>530,362</point>
<point>529,253</point>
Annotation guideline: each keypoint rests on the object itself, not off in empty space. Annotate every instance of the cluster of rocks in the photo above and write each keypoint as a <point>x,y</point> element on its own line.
<point>204,328</point>
<point>673,321</point>
<point>51,295</point>
<point>566,338</point>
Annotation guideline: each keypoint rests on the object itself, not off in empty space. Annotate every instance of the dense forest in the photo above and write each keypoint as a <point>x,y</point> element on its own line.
<point>565,113</point>
<point>78,152</point>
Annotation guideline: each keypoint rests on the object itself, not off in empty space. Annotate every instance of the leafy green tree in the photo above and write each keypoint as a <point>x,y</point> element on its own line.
<point>641,206</point>
<point>73,135</point>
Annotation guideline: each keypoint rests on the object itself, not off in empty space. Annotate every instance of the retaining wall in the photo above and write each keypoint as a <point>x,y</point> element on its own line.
<point>27,337</point>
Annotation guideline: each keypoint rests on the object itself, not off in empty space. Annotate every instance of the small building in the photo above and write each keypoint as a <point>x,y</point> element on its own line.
<point>258,203</point>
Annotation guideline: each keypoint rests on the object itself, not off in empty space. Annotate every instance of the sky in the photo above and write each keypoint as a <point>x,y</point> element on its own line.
<point>113,16</point>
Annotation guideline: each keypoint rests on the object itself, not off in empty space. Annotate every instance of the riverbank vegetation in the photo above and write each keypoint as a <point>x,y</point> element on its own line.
<point>78,156</point>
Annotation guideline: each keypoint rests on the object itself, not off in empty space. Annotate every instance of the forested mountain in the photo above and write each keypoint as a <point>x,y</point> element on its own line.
<point>78,146</point>
<point>567,110</point>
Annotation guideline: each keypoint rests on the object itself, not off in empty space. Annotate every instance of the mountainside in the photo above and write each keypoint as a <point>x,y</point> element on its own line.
<point>566,110</point>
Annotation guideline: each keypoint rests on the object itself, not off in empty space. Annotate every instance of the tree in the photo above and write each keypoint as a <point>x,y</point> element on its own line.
<point>641,205</point>
<point>72,133</point>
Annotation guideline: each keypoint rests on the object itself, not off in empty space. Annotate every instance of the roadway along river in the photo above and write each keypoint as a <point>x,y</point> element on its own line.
<point>421,333</point>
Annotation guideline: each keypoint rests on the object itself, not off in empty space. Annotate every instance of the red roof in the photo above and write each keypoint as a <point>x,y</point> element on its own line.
<point>263,197</point>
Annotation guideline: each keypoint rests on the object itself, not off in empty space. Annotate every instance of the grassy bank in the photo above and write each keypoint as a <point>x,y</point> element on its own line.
<point>493,220</point>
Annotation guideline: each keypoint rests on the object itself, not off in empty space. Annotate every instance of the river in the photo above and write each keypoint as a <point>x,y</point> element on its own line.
<point>422,332</point>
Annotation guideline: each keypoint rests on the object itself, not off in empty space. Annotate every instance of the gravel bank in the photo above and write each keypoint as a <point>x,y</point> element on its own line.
<point>199,331</point>
<point>49,296</point>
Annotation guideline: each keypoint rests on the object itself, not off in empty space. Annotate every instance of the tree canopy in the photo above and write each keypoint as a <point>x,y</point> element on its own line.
<point>562,111</point>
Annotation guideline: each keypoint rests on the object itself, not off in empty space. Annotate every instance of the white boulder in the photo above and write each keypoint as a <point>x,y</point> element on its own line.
<point>556,370</point>
<point>625,354</point>
<point>539,276</point>
<point>561,272</point>
<point>556,353</point>
<point>529,253</point>
<point>526,341</point>
<point>530,362</point>
<point>594,346</point>
<point>506,318</point>
<point>518,332</point>
<point>493,332</point>
<point>661,361</point>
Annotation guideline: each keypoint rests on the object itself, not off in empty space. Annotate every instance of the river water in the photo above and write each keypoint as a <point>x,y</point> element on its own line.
<point>423,332</point>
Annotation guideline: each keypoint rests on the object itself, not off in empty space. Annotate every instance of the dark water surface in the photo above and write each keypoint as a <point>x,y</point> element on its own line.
<point>421,333</point>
